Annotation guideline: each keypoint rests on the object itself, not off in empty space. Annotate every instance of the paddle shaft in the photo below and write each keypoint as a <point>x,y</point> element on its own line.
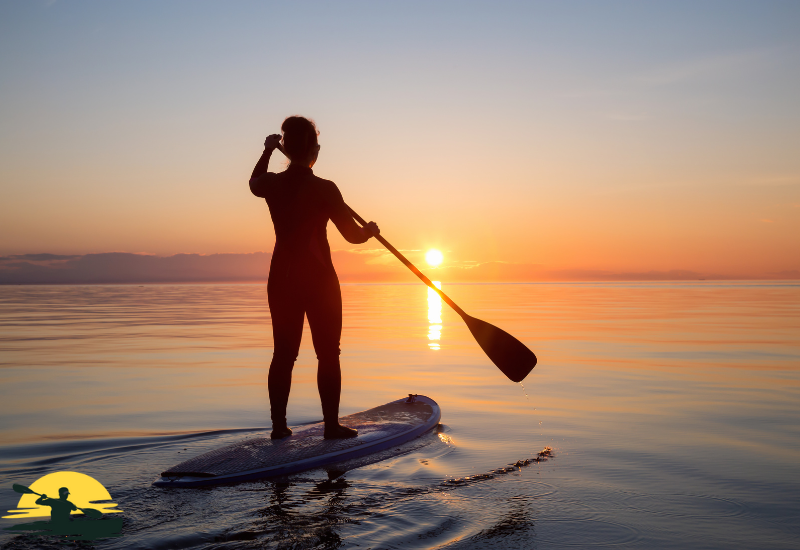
<point>508,354</point>
<point>411,266</point>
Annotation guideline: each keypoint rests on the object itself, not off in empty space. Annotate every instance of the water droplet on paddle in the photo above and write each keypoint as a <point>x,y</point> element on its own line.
<point>523,391</point>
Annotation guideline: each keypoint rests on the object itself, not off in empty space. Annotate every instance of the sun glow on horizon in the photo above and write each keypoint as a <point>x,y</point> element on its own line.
<point>435,317</point>
<point>434,257</point>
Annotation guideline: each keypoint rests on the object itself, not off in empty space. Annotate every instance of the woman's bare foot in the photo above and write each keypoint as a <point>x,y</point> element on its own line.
<point>280,432</point>
<point>338,431</point>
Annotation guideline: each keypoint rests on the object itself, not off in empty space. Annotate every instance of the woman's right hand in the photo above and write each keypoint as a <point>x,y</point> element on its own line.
<point>372,229</point>
<point>273,142</point>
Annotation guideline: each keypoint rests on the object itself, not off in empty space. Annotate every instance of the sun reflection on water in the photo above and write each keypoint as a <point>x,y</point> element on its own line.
<point>434,317</point>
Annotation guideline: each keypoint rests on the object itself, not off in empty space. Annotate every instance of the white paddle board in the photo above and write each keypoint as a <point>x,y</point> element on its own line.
<point>380,428</point>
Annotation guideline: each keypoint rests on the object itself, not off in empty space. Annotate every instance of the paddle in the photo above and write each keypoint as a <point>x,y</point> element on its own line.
<point>509,354</point>
<point>90,512</point>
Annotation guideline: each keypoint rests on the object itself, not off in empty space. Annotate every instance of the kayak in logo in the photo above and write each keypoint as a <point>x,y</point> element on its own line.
<point>77,494</point>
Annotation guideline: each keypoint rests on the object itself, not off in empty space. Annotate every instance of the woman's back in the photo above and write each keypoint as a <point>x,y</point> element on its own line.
<point>300,204</point>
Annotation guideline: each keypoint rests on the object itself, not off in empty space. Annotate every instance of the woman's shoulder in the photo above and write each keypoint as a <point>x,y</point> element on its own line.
<point>322,181</point>
<point>261,185</point>
<point>326,187</point>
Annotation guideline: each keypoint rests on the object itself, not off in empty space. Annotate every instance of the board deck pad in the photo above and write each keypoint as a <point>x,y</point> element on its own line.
<point>378,429</point>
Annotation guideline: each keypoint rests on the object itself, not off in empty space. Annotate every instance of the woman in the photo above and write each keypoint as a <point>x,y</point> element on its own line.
<point>302,280</point>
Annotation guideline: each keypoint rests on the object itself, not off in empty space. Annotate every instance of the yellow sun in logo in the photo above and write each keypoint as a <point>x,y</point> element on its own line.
<point>84,492</point>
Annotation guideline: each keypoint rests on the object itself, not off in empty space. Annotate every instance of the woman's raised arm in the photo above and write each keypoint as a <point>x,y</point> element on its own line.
<point>270,144</point>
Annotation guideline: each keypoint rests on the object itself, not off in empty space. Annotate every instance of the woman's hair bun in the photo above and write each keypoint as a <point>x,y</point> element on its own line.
<point>299,136</point>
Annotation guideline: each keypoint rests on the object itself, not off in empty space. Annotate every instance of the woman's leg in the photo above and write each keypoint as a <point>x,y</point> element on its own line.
<point>286,310</point>
<point>324,312</point>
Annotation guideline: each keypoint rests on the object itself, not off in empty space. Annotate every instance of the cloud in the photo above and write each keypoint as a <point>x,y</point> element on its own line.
<point>709,66</point>
<point>353,267</point>
<point>775,181</point>
<point>791,274</point>
<point>702,67</point>
<point>626,117</point>
<point>37,257</point>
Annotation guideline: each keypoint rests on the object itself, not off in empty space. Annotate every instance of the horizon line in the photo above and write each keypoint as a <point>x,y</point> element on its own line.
<point>351,267</point>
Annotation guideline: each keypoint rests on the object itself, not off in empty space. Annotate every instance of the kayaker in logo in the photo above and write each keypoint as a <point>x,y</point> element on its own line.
<point>61,507</point>
<point>89,523</point>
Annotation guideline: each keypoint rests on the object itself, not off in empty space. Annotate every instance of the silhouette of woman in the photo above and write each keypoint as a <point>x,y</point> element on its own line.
<point>302,280</point>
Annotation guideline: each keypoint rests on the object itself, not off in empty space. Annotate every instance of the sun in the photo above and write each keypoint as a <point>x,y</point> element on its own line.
<point>433,257</point>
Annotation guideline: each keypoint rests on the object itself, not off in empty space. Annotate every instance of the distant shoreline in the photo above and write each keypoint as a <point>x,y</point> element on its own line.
<point>401,283</point>
<point>352,266</point>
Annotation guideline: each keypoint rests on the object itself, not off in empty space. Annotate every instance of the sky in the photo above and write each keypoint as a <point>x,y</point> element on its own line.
<point>552,137</point>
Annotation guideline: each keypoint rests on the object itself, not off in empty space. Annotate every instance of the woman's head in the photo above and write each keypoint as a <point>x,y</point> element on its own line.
<point>300,140</point>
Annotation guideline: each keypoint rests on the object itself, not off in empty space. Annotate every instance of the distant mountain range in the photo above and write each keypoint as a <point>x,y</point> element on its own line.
<point>121,267</point>
<point>365,265</point>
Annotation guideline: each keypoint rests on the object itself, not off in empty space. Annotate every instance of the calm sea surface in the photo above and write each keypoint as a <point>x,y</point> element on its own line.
<point>672,411</point>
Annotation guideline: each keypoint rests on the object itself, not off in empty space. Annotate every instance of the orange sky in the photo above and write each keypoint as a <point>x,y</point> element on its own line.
<point>628,139</point>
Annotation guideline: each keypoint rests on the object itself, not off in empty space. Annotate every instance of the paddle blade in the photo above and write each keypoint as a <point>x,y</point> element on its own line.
<point>509,354</point>
<point>91,513</point>
<point>22,489</point>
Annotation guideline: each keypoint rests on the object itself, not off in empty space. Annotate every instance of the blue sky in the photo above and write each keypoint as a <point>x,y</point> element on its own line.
<point>512,131</point>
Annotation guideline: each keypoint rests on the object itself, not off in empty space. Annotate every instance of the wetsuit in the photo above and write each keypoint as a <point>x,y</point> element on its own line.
<point>302,281</point>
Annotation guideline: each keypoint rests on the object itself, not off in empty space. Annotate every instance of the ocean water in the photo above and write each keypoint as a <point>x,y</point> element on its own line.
<point>671,411</point>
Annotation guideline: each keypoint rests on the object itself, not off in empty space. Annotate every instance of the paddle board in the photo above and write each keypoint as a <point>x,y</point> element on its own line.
<point>380,428</point>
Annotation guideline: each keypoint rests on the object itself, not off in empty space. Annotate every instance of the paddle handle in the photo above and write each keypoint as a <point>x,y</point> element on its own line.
<point>412,267</point>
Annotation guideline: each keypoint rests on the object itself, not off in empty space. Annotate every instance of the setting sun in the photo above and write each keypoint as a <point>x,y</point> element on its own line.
<point>433,257</point>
